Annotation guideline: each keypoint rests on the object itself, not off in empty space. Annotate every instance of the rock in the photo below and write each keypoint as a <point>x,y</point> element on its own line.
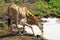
<point>38,36</point>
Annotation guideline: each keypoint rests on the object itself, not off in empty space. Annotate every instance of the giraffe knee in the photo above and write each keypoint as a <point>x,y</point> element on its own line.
<point>41,30</point>
<point>30,26</point>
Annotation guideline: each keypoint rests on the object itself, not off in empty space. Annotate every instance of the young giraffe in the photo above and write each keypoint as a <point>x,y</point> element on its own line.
<point>15,11</point>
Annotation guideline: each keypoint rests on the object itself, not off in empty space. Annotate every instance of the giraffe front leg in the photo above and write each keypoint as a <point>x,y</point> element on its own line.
<point>32,29</point>
<point>16,21</point>
<point>42,34</point>
<point>26,24</point>
<point>9,24</point>
<point>24,32</point>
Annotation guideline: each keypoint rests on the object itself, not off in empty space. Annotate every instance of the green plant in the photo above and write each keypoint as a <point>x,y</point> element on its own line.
<point>1,1</point>
<point>2,22</point>
<point>1,31</point>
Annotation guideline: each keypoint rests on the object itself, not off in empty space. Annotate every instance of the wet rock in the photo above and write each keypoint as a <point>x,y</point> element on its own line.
<point>38,36</point>
<point>44,21</point>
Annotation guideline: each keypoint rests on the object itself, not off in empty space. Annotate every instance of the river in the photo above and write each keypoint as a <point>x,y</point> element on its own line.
<point>51,29</point>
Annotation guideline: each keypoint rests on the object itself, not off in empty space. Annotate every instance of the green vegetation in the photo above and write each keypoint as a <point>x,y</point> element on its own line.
<point>42,6</point>
<point>1,1</point>
<point>2,22</point>
<point>55,6</point>
<point>49,7</point>
<point>1,31</point>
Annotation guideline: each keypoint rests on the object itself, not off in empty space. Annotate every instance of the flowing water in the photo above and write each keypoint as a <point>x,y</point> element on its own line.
<point>51,29</point>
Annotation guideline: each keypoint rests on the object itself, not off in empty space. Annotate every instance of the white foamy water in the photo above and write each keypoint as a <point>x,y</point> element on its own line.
<point>51,29</point>
<point>35,28</point>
